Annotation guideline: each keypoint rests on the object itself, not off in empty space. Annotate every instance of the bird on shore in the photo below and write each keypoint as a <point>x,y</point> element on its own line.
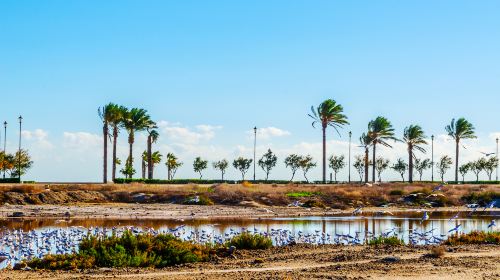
<point>358,211</point>
<point>425,217</point>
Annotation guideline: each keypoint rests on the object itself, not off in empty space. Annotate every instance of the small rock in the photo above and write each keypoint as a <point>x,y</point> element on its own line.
<point>258,261</point>
<point>391,259</point>
<point>17,214</point>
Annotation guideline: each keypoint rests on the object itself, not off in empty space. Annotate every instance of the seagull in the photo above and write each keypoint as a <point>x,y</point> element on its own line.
<point>491,205</point>
<point>487,154</point>
<point>425,217</point>
<point>358,211</point>
<point>455,217</point>
<point>492,224</point>
<point>455,229</point>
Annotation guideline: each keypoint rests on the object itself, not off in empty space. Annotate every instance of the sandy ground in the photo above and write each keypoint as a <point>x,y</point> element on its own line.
<point>310,262</point>
<point>182,212</point>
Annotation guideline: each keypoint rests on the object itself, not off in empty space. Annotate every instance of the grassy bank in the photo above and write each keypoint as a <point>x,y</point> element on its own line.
<point>334,196</point>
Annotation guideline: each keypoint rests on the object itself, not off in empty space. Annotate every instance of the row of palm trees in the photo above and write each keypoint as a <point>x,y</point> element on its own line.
<point>115,117</point>
<point>380,131</point>
<point>329,113</point>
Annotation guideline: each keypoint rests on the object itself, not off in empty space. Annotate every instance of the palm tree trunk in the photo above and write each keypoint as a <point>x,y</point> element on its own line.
<point>324,154</point>
<point>105,153</point>
<point>410,165</point>
<point>115,137</point>
<point>456,160</point>
<point>374,154</point>
<point>150,159</point>
<point>144,169</point>
<point>367,164</point>
<point>130,160</point>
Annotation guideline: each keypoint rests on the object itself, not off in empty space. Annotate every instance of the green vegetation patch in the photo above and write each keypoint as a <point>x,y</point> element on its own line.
<point>302,194</point>
<point>481,198</point>
<point>198,200</point>
<point>475,237</point>
<point>248,241</point>
<point>392,241</point>
<point>128,250</point>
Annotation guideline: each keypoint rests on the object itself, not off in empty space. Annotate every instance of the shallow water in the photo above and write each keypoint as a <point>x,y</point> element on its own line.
<point>22,239</point>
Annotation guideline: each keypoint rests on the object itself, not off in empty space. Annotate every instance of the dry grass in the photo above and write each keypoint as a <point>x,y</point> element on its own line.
<point>336,196</point>
<point>437,252</point>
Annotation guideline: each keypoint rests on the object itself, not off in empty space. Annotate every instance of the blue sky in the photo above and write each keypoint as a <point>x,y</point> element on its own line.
<point>231,65</point>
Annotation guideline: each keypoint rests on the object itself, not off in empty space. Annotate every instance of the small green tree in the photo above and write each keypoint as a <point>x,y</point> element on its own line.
<point>306,164</point>
<point>464,169</point>
<point>221,165</point>
<point>400,166</point>
<point>359,165</point>
<point>490,166</point>
<point>268,162</point>
<point>11,163</point>
<point>242,164</point>
<point>173,164</point>
<point>336,163</point>
<point>293,162</point>
<point>199,165</point>
<point>443,165</point>
<point>422,165</point>
<point>477,166</point>
<point>128,170</point>
<point>381,164</point>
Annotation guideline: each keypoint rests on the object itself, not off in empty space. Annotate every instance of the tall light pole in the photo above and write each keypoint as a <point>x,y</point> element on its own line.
<point>4,142</point>
<point>254,150</point>
<point>432,168</point>
<point>497,159</point>
<point>350,138</point>
<point>19,155</point>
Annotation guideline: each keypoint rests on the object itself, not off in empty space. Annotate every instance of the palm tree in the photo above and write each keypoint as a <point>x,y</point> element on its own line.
<point>366,141</point>
<point>103,114</point>
<point>458,130</point>
<point>135,120</point>
<point>153,136</point>
<point>116,117</point>
<point>380,130</point>
<point>328,113</point>
<point>414,137</point>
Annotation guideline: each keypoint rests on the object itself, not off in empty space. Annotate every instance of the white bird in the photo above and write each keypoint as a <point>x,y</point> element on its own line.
<point>358,211</point>
<point>492,224</point>
<point>425,217</point>
<point>455,229</point>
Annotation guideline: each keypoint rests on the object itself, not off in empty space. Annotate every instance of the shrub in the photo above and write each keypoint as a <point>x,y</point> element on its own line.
<point>313,204</point>
<point>481,198</point>
<point>249,241</point>
<point>392,241</point>
<point>9,181</point>
<point>475,237</point>
<point>396,192</point>
<point>128,250</point>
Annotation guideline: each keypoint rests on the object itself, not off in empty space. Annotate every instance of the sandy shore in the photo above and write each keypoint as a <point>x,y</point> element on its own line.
<point>180,212</point>
<point>310,262</point>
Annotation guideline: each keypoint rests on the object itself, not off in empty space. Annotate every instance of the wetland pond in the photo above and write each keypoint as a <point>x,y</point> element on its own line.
<point>28,238</point>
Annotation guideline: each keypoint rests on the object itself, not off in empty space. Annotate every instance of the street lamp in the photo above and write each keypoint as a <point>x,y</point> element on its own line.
<point>4,142</point>
<point>254,150</point>
<point>19,155</point>
<point>432,176</point>
<point>497,159</point>
<point>350,138</point>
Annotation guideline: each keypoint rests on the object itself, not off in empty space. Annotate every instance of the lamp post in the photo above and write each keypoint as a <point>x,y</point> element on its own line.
<point>19,155</point>
<point>350,138</point>
<point>4,142</point>
<point>432,167</point>
<point>254,150</point>
<point>497,159</point>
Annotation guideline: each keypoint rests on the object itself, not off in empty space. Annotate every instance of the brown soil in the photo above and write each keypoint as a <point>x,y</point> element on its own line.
<point>312,262</point>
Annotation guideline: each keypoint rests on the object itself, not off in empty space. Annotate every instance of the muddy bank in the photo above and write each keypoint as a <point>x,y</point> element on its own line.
<point>314,262</point>
<point>185,212</point>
